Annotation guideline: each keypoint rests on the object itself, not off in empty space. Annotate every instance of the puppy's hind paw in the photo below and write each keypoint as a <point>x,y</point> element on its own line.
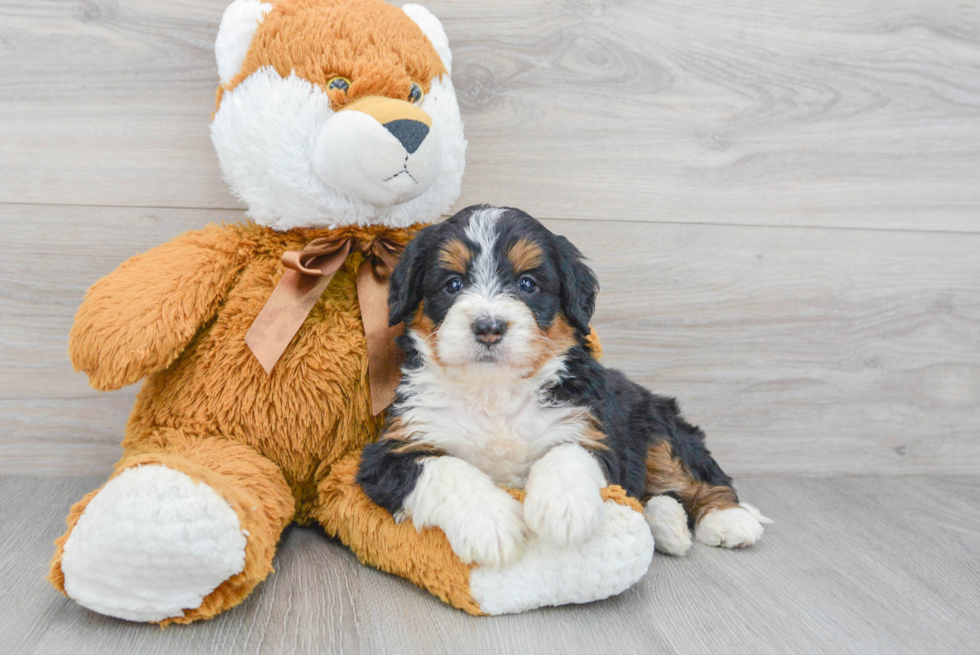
<point>733,527</point>
<point>668,522</point>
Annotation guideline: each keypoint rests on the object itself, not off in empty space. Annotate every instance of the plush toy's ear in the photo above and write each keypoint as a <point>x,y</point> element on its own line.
<point>238,25</point>
<point>579,286</point>
<point>405,283</point>
<point>432,28</point>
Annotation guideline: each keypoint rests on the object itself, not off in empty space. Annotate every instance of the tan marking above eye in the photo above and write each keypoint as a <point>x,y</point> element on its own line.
<point>525,255</point>
<point>456,256</point>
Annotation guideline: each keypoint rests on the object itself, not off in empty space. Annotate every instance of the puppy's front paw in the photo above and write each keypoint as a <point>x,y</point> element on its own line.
<point>565,514</point>
<point>668,521</point>
<point>491,532</point>
<point>734,527</point>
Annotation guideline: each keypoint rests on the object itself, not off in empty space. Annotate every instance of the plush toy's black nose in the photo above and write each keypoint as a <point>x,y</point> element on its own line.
<point>410,132</point>
<point>489,330</point>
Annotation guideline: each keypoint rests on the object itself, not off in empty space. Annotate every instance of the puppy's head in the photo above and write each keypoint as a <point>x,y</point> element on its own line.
<point>491,291</point>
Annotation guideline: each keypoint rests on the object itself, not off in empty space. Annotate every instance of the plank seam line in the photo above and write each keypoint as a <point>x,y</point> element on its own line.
<point>547,218</point>
<point>765,225</point>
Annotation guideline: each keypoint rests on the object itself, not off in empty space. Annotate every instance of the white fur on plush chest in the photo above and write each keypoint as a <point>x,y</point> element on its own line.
<point>500,428</point>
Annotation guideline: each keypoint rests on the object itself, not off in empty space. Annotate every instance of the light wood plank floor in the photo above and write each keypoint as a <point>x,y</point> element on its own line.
<point>852,565</point>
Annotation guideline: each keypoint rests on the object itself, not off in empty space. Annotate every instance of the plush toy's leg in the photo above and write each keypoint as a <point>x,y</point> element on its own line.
<point>425,557</point>
<point>180,532</point>
<point>607,564</point>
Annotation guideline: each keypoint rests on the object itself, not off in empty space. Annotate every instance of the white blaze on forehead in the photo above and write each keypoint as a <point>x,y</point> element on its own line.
<point>517,353</point>
<point>482,230</point>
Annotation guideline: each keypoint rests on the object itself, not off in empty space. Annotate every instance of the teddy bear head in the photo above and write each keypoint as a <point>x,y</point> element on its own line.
<point>337,112</point>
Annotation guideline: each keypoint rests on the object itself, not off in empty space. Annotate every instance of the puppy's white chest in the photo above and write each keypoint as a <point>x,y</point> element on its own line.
<point>500,428</point>
<point>501,433</point>
<point>501,446</point>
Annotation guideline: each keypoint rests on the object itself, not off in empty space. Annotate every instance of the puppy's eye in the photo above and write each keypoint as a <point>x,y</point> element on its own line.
<point>527,285</point>
<point>454,285</point>
<point>415,93</point>
<point>339,83</point>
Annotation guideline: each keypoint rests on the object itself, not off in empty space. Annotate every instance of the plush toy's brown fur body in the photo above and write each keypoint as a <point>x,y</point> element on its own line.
<point>279,448</point>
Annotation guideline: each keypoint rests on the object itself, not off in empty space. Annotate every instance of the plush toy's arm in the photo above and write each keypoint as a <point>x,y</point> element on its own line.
<point>139,318</point>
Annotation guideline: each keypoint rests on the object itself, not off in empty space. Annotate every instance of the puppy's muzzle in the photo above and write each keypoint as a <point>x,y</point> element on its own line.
<point>489,330</point>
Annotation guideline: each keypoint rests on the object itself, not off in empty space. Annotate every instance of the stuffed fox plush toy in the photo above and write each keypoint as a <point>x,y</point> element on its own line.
<point>337,126</point>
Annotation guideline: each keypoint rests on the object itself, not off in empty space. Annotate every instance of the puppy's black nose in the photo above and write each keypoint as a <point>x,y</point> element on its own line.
<point>489,330</point>
<point>410,132</point>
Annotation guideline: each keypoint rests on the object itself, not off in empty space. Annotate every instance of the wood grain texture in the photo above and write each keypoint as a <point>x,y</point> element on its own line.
<point>51,420</point>
<point>851,114</point>
<point>852,565</point>
<point>800,350</point>
<point>811,351</point>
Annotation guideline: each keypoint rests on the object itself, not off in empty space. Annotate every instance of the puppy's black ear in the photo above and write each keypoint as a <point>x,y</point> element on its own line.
<point>579,286</point>
<point>405,284</point>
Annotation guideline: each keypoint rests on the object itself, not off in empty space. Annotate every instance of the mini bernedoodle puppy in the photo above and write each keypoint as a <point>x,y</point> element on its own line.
<point>499,390</point>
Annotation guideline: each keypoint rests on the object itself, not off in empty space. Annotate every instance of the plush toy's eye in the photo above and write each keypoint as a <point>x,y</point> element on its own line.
<point>527,285</point>
<point>339,83</point>
<point>415,93</point>
<point>454,285</point>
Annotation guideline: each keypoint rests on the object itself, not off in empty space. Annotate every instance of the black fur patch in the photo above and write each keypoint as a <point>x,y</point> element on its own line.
<point>633,419</point>
<point>386,476</point>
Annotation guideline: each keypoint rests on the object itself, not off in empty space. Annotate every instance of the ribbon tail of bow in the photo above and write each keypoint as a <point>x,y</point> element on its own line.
<point>292,300</point>
<point>384,355</point>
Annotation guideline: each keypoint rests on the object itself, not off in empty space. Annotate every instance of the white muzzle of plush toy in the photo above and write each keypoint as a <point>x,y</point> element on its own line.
<point>379,150</point>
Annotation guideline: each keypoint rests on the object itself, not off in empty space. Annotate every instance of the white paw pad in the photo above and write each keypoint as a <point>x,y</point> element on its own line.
<point>152,543</point>
<point>668,521</point>
<point>735,527</point>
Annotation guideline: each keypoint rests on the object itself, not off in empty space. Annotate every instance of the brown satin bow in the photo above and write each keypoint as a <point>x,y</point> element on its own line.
<point>308,274</point>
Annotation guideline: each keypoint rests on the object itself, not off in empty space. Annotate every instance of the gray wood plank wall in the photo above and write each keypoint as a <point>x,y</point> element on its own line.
<point>782,201</point>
